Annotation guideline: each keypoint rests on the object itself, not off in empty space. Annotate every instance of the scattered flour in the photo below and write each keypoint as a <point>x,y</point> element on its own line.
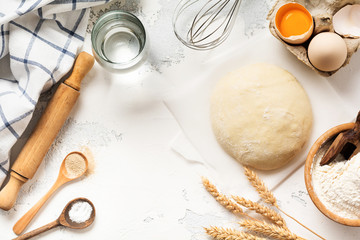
<point>337,185</point>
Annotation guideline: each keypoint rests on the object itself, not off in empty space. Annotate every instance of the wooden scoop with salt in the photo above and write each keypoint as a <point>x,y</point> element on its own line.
<point>73,166</point>
<point>84,217</point>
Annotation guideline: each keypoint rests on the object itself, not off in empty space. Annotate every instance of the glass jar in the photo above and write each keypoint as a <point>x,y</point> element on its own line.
<point>118,40</point>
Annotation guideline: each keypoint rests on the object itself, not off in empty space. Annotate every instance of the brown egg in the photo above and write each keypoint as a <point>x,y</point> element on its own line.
<point>327,51</point>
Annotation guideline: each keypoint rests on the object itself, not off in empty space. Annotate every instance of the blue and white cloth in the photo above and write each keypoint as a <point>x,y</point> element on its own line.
<point>39,40</point>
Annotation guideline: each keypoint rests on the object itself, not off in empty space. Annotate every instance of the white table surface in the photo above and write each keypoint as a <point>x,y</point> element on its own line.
<point>141,187</point>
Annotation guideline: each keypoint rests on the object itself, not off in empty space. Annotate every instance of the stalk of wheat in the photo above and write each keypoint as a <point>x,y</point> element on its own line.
<point>230,234</point>
<point>268,196</point>
<point>265,211</point>
<point>269,230</point>
<point>221,198</point>
<point>260,187</point>
<point>278,230</point>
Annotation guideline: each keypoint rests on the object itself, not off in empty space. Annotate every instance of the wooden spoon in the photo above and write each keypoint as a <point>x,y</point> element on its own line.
<point>63,177</point>
<point>63,220</point>
<point>347,143</point>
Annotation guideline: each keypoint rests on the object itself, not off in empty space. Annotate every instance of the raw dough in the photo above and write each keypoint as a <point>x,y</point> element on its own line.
<point>261,115</point>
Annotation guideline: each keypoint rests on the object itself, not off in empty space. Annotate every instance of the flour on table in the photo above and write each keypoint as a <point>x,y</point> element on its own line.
<point>83,136</point>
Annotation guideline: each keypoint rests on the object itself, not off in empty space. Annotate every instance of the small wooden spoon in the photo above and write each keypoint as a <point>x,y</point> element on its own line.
<point>63,177</point>
<point>63,220</point>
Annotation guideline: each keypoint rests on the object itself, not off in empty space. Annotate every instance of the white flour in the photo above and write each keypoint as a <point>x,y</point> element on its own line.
<point>80,212</point>
<point>337,185</point>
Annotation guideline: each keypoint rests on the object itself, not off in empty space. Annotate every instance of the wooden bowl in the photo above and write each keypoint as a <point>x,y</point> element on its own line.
<point>327,136</point>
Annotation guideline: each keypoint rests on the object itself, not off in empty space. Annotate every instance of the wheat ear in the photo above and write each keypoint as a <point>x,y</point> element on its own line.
<point>268,196</point>
<point>230,234</point>
<point>269,230</point>
<point>221,198</point>
<point>260,187</point>
<point>263,210</point>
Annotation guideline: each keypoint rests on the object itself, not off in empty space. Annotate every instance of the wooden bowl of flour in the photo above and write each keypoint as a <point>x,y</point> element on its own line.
<point>316,151</point>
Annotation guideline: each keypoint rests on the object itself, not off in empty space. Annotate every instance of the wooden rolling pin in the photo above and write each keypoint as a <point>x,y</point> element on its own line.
<point>49,125</point>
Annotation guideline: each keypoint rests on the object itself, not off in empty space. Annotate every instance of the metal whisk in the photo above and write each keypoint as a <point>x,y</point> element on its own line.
<point>204,24</point>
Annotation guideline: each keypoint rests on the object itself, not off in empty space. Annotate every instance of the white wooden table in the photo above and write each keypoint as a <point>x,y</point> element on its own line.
<point>141,187</point>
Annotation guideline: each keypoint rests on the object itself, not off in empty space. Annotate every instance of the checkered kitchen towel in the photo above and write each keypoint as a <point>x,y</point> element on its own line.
<point>39,40</point>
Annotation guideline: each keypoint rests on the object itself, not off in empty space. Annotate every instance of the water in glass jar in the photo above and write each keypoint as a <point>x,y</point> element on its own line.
<point>120,44</point>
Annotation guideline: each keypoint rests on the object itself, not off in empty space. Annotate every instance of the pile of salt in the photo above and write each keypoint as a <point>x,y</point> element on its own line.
<point>80,212</point>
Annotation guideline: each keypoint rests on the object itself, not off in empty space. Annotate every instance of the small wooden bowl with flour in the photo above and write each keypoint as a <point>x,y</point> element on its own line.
<point>319,183</point>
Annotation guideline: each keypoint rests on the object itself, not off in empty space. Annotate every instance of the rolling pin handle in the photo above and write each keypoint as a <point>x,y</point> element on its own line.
<point>82,66</point>
<point>9,194</point>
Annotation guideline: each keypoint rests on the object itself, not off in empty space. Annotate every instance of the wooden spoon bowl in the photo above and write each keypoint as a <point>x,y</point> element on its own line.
<point>65,219</point>
<point>330,135</point>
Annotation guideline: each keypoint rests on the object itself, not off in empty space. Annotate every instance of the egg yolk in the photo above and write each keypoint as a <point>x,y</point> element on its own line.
<point>294,22</point>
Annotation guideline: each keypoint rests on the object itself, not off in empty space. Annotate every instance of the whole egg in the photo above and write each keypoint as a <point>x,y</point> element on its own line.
<point>327,51</point>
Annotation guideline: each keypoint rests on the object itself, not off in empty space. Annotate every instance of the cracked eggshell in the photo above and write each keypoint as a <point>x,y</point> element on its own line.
<point>347,21</point>
<point>322,12</point>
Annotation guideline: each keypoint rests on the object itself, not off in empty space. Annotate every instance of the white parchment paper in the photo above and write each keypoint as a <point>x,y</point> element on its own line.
<point>194,82</point>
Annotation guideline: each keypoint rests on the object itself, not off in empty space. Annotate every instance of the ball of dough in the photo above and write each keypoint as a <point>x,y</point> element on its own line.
<point>261,115</point>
